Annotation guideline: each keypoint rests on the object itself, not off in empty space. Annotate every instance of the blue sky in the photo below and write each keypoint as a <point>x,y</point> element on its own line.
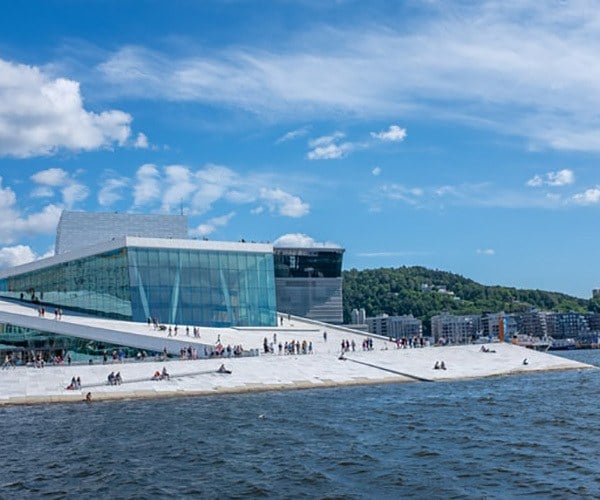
<point>455,136</point>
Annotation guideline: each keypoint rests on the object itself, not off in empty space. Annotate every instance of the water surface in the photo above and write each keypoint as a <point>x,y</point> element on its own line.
<point>512,436</point>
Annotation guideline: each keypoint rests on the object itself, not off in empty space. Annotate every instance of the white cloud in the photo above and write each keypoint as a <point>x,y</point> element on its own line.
<point>535,181</point>
<point>40,115</point>
<point>325,140</point>
<point>179,186</point>
<point>74,193</point>
<point>54,177</point>
<point>327,148</point>
<point>399,192</point>
<point>392,134</point>
<point>15,256</point>
<point>521,68</point>
<point>376,171</point>
<point>486,251</point>
<point>588,197</point>
<point>561,178</point>
<point>147,186</point>
<point>57,178</point>
<point>14,224</point>
<point>556,179</point>
<point>20,254</point>
<point>257,210</point>
<point>284,203</point>
<point>110,192</point>
<point>213,182</point>
<point>293,134</point>
<point>199,190</point>
<point>300,240</point>
<point>141,141</point>
<point>329,152</point>
<point>209,227</point>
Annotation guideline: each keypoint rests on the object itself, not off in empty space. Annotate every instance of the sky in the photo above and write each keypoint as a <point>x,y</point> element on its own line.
<point>460,136</point>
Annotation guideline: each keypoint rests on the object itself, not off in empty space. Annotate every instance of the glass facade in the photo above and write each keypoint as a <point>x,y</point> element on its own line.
<point>172,285</point>
<point>308,263</point>
<point>98,284</point>
<point>25,344</point>
<point>309,282</point>
<point>209,288</point>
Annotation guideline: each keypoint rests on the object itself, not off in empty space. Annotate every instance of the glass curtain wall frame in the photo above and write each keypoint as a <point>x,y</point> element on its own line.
<point>97,285</point>
<point>202,287</point>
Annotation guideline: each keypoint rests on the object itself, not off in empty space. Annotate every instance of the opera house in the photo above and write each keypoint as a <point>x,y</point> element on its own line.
<point>145,269</point>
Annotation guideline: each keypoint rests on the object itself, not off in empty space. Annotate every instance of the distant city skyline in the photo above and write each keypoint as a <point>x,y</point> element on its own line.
<point>442,134</point>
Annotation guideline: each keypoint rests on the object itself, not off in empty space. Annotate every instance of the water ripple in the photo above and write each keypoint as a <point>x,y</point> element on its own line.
<point>533,435</point>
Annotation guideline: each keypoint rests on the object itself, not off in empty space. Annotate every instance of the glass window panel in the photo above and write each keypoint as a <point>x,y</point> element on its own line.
<point>153,258</point>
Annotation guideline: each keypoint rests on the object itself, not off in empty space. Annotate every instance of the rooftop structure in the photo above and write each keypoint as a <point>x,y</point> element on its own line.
<point>79,229</point>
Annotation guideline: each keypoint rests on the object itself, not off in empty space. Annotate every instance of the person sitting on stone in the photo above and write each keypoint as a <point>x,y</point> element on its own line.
<point>443,365</point>
<point>164,374</point>
<point>111,378</point>
<point>436,366</point>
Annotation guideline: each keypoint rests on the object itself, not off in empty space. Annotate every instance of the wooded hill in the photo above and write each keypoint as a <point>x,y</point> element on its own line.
<point>425,292</point>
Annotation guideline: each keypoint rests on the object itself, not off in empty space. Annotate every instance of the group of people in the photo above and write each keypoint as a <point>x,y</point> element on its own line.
<point>75,384</point>
<point>410,342</point>
<point>221,351</point>
<point>439,365</point>
<point>294,347</point>
<point>117,356</point>
<point>115,378</point>
<point>188,352</point>
<point>347,345</point>
<point>58,312</point>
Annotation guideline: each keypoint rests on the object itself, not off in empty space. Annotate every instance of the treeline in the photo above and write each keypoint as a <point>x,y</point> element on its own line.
<point>398,291</point>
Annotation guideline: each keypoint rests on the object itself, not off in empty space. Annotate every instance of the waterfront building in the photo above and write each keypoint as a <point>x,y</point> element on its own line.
<point>593,321</point>
<point>454,329</point>
<point>533,323</point>
<point>396,327</point>
<point>143,268</point>
<point>308,282</point>
<point>566,325</point>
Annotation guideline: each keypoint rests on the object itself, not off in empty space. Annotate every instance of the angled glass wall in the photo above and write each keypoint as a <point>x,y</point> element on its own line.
<point>24,344</point>
<point>177,286</point>
<point>98,284</point>
<point>202,287</point>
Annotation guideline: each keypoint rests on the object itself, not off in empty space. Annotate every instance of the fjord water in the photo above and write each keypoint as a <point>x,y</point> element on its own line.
<point>535,434</point>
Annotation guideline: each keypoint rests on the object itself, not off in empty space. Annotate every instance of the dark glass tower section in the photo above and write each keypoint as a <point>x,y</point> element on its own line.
<point>309,282</point>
